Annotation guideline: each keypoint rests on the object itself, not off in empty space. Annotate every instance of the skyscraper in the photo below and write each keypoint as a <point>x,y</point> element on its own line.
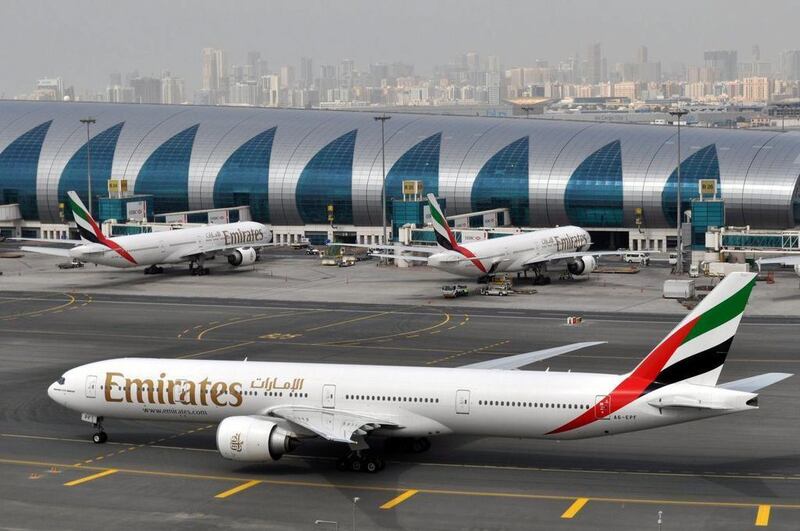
<point>724,62</point>
<point>594,63</point>
<point>306,72</point>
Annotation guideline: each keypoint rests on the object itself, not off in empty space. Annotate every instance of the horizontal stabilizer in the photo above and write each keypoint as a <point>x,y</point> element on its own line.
<point>520,360</point>
<point>53,251</point>
<point>684,402</point>
<point>754,383</point>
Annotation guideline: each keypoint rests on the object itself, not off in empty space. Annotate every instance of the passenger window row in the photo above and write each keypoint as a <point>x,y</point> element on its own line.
<point>392,399</point>
<point>544,405</point>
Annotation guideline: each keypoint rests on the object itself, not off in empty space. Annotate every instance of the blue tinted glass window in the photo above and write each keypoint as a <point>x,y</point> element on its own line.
<point>420,163</point>
<point>593,197</point>
<point>19,163</point>
<point>701,165</point>
<point>165,174</point>
<point>244,177</point>
<point>503,182</point>
<point>74,176</point>
<point>326,180</point>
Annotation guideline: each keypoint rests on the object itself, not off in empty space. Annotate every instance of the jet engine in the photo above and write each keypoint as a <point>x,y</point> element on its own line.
<point>582,266</point>
<point>242,256</point>
<point>253,439</point>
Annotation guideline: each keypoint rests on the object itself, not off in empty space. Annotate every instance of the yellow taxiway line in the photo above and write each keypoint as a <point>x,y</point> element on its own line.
<point>762,516</point>
<point>86,479</point>
<point>388,488</point>
<point>238,489</point>
<point>394,502</point>
<point>575,508</point>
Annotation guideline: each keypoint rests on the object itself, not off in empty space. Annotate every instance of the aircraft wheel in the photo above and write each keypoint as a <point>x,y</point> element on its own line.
<point>355,465</point>
<point>371,465</point>
<point>100,437</point>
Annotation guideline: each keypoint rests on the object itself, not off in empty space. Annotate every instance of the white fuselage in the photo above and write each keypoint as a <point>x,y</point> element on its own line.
<point>422,401</point>
<point>512,253</point>
<point>173,246</point>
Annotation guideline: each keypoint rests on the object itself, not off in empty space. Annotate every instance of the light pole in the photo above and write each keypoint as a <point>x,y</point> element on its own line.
<point>679,114</point>
<point>355,501</point>
<point>382,120</point>
<point>89,122</point>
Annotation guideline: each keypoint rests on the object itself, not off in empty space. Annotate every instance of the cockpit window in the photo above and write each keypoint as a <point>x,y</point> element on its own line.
<point>61,381</point>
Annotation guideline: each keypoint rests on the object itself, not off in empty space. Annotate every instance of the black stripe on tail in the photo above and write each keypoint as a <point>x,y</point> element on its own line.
<point>700,363</point>
<point>88,235</point>
<point>441,240</point>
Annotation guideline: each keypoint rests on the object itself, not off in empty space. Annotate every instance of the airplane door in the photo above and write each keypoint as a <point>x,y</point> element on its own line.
<point>329,396</point>
<point>162,248</point>
<point>462,401</point>
<point>91,386</point>
<point>603,407</point>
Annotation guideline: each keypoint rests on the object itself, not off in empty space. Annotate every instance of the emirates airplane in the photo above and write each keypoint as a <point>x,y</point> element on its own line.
<point>237,241</point>
<point>509,254</point>
<point>266,409</point>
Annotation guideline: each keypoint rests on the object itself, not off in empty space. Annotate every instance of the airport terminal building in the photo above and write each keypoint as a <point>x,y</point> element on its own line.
<point>292,166</point>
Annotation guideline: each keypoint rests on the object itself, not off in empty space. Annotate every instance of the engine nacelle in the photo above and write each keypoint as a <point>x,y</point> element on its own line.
<point>253,439</point>
<point>582,266</point>
<point>242,256</point>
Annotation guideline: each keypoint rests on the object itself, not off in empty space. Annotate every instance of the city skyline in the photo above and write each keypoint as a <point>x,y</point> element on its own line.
<point>160,37</point>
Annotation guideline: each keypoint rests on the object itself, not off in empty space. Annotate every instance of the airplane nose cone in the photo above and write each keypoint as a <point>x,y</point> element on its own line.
<point>50,392</point>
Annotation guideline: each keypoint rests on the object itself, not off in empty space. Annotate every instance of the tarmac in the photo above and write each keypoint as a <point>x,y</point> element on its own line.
<point>734,472</point>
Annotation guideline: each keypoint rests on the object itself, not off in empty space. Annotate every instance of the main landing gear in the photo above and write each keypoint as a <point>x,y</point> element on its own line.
<point>99,436</point>
<point>196,269</point>
<point>361,461</point>
<point>153,270</point>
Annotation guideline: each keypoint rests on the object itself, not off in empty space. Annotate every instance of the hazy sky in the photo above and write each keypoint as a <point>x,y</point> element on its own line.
<point>83,41</point>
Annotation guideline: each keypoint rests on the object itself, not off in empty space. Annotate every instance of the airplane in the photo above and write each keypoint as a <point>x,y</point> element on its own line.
<point>237,241</point>
<point>267,409</point>
<point>518,252</point>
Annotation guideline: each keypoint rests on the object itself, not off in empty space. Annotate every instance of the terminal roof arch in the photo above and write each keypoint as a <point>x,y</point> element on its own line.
<point>74,177</point>
<point>165,173</point>
<point>326,180</point>
<point>420,163</point>
<point>244,177</point>
<point>502,182</point>
<point>702,164</point>
<point>593,196</point>
<point>19,164</point>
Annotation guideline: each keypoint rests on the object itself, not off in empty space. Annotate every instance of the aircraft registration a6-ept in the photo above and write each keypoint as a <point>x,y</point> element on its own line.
<point>236,241</point>
<point>266,409</point>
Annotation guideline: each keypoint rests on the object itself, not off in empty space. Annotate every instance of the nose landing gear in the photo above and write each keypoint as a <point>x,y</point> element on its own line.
<point>99,436</point>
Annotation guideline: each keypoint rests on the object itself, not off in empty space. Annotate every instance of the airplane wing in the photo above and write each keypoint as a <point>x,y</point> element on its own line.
<point>580,254</point>
<point>520,360</point>
<point>755,383</point>
<point>792,259</point>
<point>332,424</point>
<point>52,251</point>
<point>46,240</point>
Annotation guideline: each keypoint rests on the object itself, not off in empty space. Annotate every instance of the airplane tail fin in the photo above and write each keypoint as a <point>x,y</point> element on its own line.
<point>444,236</point>
<point>695,350</point>
<point>87,226</point>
